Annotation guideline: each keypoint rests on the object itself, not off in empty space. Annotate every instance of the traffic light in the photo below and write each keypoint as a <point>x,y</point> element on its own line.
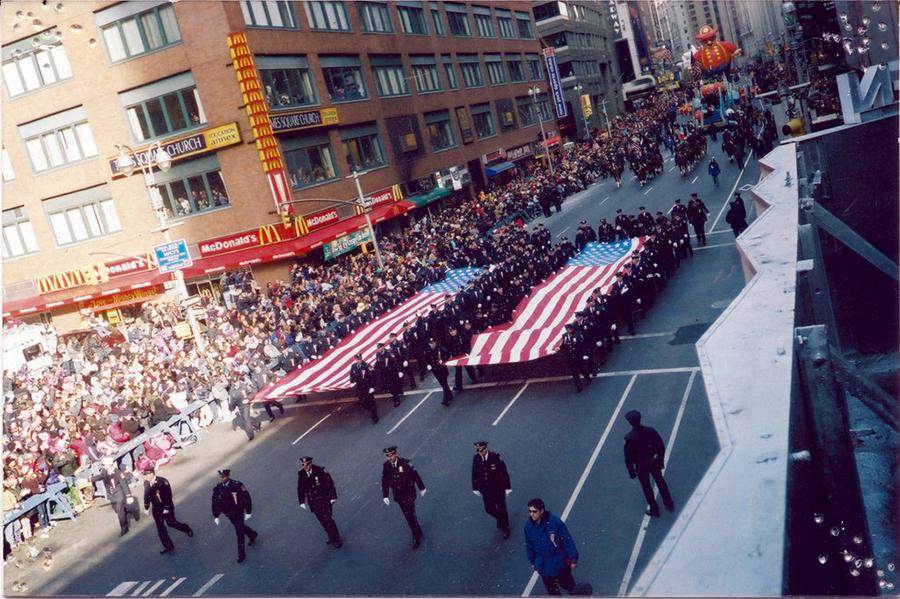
<point>286,216</point>
<point>793,127</point>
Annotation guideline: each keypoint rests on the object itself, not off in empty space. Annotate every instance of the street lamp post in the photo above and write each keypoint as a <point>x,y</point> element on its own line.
<point>533,92</point>
<point>126,162</point>
<point>365,209</point>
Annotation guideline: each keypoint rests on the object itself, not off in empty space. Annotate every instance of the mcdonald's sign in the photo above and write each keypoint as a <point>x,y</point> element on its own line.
<point>76,277</point>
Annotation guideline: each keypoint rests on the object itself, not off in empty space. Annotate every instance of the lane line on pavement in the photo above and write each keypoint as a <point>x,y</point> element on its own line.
<point>172,587</point>
<point>587,469</point>
<point>510,404</point>
<point>648,190</point>
<point>140,588</point>
<point>693,236</point>
<point>694,180</point>
<point>121,588</point>
<point>673,168</point>
<point>645,523</point>
<point>408,414</point>
<point>603,200</point>
<point>208,584</point>
<point>323,419</point>
<point>154,587</point>
<point>717,245</point>
<point>648,335</point>
<point>560,234</point>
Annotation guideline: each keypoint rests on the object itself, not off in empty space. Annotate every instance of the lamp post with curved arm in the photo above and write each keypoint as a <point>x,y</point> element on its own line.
<point>533,91</point>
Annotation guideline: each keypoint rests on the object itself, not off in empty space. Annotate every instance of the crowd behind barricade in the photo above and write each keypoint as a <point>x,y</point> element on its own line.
<point>98,396</point>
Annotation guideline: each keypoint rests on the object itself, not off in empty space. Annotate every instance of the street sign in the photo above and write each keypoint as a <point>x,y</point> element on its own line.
<point>172,255</point>
<point>344,244</point>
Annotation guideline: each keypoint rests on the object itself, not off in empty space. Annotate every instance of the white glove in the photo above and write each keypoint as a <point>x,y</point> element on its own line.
<point>387,501</point>
<point>599,344</point>
<point>371,389</point>
<point>508,491</point>
<point>146,512</point>
<point>428,367</point>
<point>247,517</point>
<point>405,363</point>
<point>216,520</point>
<point>332,501</point>
<point>400,375</point>
<point>584,357</point>
<point>655,265</point>
<point>165,511</point>
<point>638,300</point>
<point>477,493</point>
<point>612,328</point>
<point>302,506</point>
<point>422,493</point>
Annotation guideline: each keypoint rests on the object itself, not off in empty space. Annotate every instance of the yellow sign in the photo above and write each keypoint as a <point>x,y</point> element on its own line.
<point>60,281</point>
<point>219,137</point>
<point>586,108</point>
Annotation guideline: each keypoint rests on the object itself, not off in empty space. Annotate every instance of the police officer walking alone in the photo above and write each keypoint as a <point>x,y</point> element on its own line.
<point>230,497</point>
<point>490,480</point>
<point>315,490</point>
<point>158,493</point>
<point>645,456</point>
<point>399,476</point>
<point>117,493</point>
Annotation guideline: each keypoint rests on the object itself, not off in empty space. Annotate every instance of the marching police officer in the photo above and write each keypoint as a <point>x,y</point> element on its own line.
<point>117,493</point>
<point>239,403</point>
<point>490,480</point>
<point>645,456</point>
<point>158,493</point>
<point>645,218</point>
<point>435,356</point>
<point>458,345</point>
<point>363,377</point>
<point>400,477</point>
<point>230,497</point>
<point>315,490</point>
<point>389,371</point>
<point>401,349</point>
<point>622,299</point>
<point>696,214</point>
<point>573,346</point>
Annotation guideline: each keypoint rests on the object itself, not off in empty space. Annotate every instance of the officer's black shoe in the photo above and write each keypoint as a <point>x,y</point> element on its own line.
<point>589,380</point>
<point>167,550</point>
<point>338,544</point>
<point>446,404</point>
<point>122,533</point>
<point>506,534</point>
<point>671,507</point>
<point>457,389</point>
<point>241,558</point>
<point>374,419</point>
<point>416,542</point>
<point>328,542</point>
<point>654,513</point>
<point>577,389</point>
<point>190,532</point>
<point>396,402</point>
<point>253,540</point>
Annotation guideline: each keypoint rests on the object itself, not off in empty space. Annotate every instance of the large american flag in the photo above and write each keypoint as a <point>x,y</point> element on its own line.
<point>332,370</point>
<point>539,319</point>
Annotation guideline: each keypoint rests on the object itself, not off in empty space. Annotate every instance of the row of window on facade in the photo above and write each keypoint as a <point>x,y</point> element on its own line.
<point>574,11</point>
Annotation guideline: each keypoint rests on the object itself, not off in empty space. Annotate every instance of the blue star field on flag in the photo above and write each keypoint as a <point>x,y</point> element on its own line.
<point>453,280</point>
<point>601,254</point>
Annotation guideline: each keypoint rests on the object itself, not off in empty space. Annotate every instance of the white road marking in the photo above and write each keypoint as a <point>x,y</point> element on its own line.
<point>648,190</point>
<point>154,587</point>
<point>673,168</point>
<point>648,335</point>
<point>172,587</point>
<point>323,419</point>
<point>121,588</point>
<point>711,233</point>
<point>587,470</point>
<point>633,177</point>
<point>140,588</point>
<point>208,584</point>
<point>718,245</point>
<point>645,523</point>
<point>603,200</point>
<point>694,180</point>
<point>510,404</point>
<point>408,414</point>
<point>560,234</point>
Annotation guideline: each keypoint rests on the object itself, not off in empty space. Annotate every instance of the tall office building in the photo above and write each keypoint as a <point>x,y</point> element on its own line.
<point>256,102</point>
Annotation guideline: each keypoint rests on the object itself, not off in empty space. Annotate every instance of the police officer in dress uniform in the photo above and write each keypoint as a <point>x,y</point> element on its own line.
<point>315,491</point>
<point>645,456</point>
<point>238,398</point>
<point>459,345</point>
<point>490,480</point>
<point>158,493</point>
<point>401,349</point>
<point>434,362</point>
<point>400,477</point>
<point>390,372</point>
<point>696,215</point>
<point>363,377</point>
<point>574,350</point>
<point>230,497</point>
<point>645,218</point>
<point>117,493</point>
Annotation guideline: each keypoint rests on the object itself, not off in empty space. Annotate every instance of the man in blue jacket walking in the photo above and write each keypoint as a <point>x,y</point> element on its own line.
<point>550,548</point>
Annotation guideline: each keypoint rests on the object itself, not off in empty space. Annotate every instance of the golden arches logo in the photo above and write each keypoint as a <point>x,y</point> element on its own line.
<point>268,234</point>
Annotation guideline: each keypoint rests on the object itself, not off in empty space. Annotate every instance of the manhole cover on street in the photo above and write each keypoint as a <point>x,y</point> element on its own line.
<point>689,334</point>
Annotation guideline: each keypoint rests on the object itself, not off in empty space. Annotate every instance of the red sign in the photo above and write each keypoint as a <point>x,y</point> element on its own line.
<point>317,220</point>
<point>128,266</point>
<point>549,52</point>
<point>229,243</point>
<point>391,194</point>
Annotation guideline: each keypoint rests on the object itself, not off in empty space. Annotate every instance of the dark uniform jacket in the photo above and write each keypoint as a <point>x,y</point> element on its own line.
<point>315,487</point>
<point>363,377</point>
<point>401,478</point>
<point>115,484</point>
<point>159,495</point>
<point>644,450</point>
<point>489,473</point>
<point>231,498</point>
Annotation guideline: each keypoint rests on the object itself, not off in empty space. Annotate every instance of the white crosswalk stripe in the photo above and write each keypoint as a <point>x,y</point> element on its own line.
<point>141,587</point>
<point>148,588</point>
<point>172,587</point>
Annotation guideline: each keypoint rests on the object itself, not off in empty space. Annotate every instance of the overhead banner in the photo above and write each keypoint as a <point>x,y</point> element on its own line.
<point>555,86</point>
<point>186,146</point>
<point>283,122</point>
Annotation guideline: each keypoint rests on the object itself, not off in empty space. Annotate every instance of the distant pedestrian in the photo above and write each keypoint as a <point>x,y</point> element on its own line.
<point>490,481</point>
<point>158,494</point>
<point>118,493</point>
<point>230,497</point>
<point>737,216</point>
<point>400,477</point>
<point>315,490</point>
<point>713,169</point>
<point>550,548</point>
<point>645,456</point>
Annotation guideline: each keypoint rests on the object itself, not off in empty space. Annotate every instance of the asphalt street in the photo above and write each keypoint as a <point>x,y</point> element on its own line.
<point>563,447</point>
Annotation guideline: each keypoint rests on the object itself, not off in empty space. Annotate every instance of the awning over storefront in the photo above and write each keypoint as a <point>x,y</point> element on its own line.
<point>432,196</point>
<point>552,141</point>
<point>118,286</point>
<point>293,247</point>
<point>495,169</point>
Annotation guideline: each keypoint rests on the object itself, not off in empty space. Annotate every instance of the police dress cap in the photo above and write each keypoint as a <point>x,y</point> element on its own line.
<point>358,356</point>
<point>618,210</point>
<point>678,201</point>
<point>391,449</point>
<point>225,472</point>
<point>633,417</point>
<point>583,222</point>
<point>569,325</point>
<point>641,208</point>
<point>694,193</point>
<point>481,443</point>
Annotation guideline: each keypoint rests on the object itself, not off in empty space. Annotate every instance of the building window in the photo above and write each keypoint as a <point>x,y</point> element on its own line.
<point>458,19</point>
<point>566,69</point>
<point>547,10</point>
<point>164,107</point>
<point>310,165</point>
<point>436,19</point>
<point>268,13</point>
<point>8,172</point>
<point>483,119</point>
<point>343,78</point>
<point>534,67</point>
<point>450,71</point>
<point>516,69</point>
<point>526,31</point>
<point>440,131</point>
<point>483,21</point>
<point>471,71</point>
<point>63,138</point>
<point>390,77</point>
<point>26,68</point>
<point>425,73</point>
<point>327,15</point>
<point>82,215</point>
<point>412,20</point>
<point>193,188</point>
<point>525,108</point>
<point>496,75</point>
<point>543,103</point>
<point>18,235</point>
<point>286,81</point>
<point>375,17</point>
<point>363,152</point>
<point>141,33</point>
<point>505,23</point>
